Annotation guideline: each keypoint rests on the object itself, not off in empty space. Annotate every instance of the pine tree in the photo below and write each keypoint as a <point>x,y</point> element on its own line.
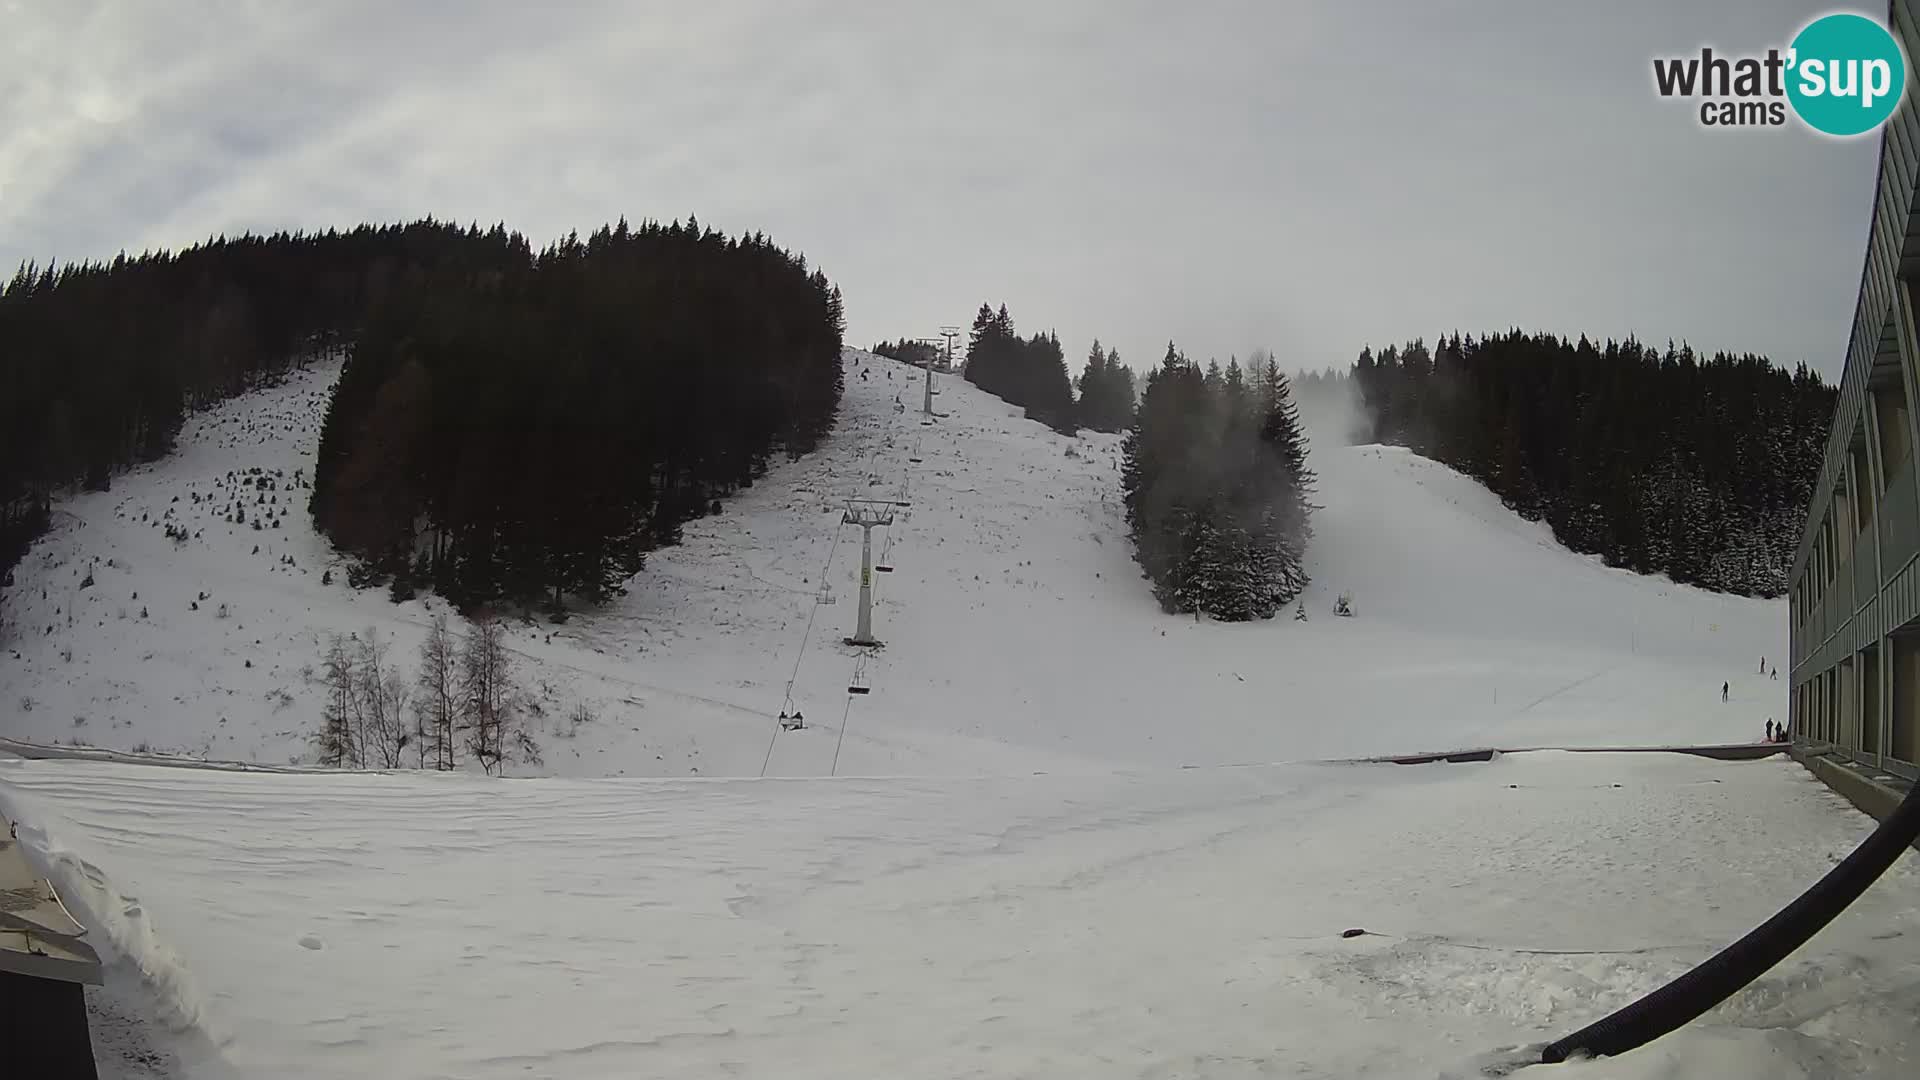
<point>1217,491</point>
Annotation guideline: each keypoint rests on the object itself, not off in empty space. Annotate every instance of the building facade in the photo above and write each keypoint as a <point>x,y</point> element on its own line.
<point>1855,588</point>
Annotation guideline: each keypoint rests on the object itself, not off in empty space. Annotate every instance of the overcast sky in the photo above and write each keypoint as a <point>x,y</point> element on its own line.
<point>1301,177</point>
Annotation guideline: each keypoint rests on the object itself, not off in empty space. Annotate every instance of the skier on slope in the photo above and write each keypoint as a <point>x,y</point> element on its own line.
<point>1723,691</point>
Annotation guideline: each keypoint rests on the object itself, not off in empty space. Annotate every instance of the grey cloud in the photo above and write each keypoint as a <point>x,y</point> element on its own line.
<point>1233,175</point>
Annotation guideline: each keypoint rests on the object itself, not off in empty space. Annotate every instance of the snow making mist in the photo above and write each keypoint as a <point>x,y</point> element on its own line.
<point>1332,411</point>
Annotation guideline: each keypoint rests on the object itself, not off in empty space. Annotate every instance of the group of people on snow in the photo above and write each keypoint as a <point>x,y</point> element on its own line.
<point>1776,733</point>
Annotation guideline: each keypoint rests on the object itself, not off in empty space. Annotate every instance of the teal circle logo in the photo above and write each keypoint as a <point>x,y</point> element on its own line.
<point>1845,74</point>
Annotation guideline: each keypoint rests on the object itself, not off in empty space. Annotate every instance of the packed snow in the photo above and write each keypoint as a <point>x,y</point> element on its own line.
<point>1019,633</point>
<point>1160,923</point>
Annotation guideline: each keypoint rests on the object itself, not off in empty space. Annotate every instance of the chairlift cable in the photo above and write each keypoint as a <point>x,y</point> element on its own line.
<point>801,656</point>
<point>841,740</point>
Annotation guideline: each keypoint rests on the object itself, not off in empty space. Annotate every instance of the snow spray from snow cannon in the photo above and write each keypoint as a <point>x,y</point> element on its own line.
<point>1728,971</point>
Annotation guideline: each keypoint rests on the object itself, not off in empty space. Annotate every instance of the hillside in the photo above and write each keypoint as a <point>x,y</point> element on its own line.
<point>1018,634</point>
<point>1040,867</point>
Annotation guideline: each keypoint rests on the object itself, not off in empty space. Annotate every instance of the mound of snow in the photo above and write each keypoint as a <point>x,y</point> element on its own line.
<point>1019,634</point>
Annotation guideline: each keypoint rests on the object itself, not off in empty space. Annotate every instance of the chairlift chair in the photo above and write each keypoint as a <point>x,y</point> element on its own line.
<point>858,684</point>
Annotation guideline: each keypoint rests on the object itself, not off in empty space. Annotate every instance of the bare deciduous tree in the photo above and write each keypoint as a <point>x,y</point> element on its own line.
<point>438,707</point>
<point>338,746</point>
<point>383,696</point>
<point>487,689</point>
<point>374,710</point>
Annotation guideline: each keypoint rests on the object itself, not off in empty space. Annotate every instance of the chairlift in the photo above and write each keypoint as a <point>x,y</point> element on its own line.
<point>884,568</point>
<point>792,721</point>
<point>856,687</point>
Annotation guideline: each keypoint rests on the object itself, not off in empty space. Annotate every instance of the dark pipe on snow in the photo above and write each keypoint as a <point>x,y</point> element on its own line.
<point>1725,973</point>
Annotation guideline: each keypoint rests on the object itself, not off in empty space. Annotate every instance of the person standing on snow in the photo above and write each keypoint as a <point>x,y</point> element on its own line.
<point>1723,691</point>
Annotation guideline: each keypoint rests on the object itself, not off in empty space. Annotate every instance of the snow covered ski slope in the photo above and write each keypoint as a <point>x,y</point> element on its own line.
<point>1018,632</point>
<point>1170,923</point>
<point>1069,846</point>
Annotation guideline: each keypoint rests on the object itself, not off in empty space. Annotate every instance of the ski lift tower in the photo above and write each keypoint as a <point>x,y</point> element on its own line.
<point>926,406</point>
<point>949,333</point>
<point>867,513</point>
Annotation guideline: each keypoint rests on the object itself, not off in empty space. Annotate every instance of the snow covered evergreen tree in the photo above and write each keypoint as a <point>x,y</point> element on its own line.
<point>1217,490</point>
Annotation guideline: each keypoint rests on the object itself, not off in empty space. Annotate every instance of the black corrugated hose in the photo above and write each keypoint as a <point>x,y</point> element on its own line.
<point>1723,974</point>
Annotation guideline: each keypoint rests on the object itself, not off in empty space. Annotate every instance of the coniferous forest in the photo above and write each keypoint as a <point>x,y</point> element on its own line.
<point>1106,391</point>
<point>1029,372</point>
<point>909,351</point>
<point>532,431</point>
<point>104,360</point>
<point>1217,489</point>
<point>510,423</point>
<point>1660,461</point>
